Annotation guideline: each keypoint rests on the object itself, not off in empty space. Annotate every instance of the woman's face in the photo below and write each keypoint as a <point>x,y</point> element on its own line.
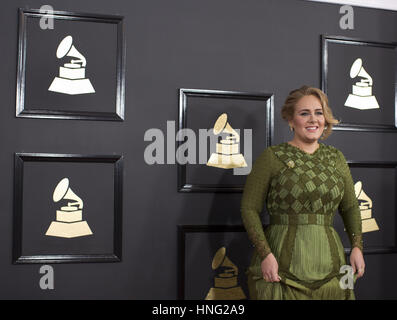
<point>308,121</point>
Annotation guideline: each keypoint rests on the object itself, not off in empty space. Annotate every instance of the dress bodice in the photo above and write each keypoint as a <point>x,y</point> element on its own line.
<point>307,183</point>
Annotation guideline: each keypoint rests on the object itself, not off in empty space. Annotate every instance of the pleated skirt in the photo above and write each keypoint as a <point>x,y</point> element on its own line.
<point>310,258</point>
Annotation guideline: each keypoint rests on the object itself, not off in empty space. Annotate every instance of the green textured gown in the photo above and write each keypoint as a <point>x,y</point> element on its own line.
<point>302,192</point>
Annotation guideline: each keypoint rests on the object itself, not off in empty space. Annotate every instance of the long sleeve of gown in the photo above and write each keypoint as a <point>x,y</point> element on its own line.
<point>348,207</point>
<point>254,195</point>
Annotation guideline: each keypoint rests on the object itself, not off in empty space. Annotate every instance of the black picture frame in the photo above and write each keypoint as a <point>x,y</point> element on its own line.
<point>183,231</point>
<point>20,159</point>
<point>326,41</point>
<point>368,249</point>
<point>268,111</point>
<point>54,112</point>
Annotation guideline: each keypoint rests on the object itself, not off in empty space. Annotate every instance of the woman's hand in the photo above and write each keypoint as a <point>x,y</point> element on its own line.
<point>357,262</point>
<point>269,268</point>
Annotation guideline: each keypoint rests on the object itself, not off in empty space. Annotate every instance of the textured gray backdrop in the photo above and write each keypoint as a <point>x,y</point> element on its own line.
<point>252,45</point>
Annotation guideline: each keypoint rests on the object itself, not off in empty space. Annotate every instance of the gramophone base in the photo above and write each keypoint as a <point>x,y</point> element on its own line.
<point>369,225</point>
<point>68,230</point>
<point>225,282</point>
<point>361,102</point>
<point>72,87</point>
<point>226,161</point>
<point>235,293</point>
<point>366,213</point>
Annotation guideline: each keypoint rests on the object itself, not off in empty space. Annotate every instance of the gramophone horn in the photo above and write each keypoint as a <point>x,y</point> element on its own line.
<point>221,125</point>
<point>361,195</point>
<point>66,48</point>
<point>62,191</point>
<point>220,260</point>
<point>357,69</point>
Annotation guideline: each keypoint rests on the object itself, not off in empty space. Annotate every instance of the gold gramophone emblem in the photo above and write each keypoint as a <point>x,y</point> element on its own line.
<point>69,221</point>
<point>227,153</point>
<point>365,204</point>
<point>225,283</point>
<point>361,96</point>
<point>72,79</point>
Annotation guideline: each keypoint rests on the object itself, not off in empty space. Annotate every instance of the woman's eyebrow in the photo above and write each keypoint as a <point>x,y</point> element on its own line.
<point>309,109</point>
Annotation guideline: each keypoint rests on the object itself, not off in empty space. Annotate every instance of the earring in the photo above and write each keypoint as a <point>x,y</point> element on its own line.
<point>290,128</point>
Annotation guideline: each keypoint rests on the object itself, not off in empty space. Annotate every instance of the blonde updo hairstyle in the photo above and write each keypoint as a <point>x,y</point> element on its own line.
<point>288,109</point>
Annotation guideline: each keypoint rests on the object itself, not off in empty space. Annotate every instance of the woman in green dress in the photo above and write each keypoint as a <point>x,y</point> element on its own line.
<point>303,183</point>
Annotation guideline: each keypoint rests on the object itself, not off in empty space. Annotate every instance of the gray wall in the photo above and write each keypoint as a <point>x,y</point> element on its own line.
<point>252,45</point>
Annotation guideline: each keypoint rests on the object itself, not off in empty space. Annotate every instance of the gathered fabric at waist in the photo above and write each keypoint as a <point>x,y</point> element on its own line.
<point>301,219</point>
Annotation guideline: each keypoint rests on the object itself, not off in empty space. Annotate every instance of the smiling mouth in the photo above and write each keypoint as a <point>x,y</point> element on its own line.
<point>312,128</point>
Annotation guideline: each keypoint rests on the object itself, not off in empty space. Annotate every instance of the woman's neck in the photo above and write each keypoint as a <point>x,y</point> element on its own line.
<point>308,147</point>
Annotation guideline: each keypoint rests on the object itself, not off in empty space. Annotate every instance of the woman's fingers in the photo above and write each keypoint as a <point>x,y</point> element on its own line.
<point>357,262</point>
<point>269,268</point>
<point>360,272</point>
<point>359,268</point>
<point>273,277</point>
